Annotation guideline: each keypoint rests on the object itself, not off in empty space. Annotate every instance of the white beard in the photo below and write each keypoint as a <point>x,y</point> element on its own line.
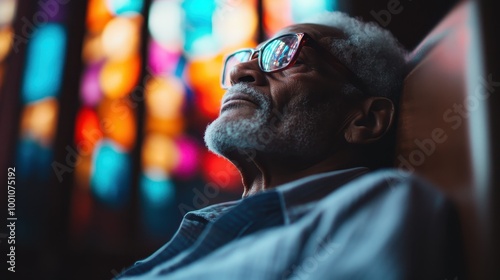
<point>222,136</point>
<point>287,133</point>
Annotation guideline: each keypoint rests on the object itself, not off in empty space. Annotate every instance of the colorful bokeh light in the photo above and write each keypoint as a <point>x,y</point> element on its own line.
<point>119,122</point>
<point>274,21</point>
<point>98,15</point>
<point>204,77</point>
<point>87,131</point>
<point>33,161</point>
<point>165,18</point>
<point>124,7</point>
<point>46,50</point>
<point>304,9</point>
<point>198,27</point>
<point>111,174</point>
<point>156,188</point>
<point>170,127</point>
<point>221,173</point>
<point>5,41</point>
<point>162,60</point>
<point>90,87</point>
<point>160,152</point>
<point>39,121</point>
<point>189,158</point>
<point>7,11</point>
<point>164,97</point>
<point>118,78</point>
<point>236,28</point>
<point>120,38</point>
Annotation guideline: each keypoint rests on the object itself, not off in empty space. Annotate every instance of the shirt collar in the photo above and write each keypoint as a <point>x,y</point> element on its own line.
<point>315,187</point>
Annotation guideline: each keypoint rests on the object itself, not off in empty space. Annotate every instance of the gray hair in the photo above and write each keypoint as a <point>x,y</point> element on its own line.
<point>370,51</point>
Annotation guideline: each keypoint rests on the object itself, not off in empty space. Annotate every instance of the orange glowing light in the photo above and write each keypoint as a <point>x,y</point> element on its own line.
<point>5,41</point>
<point>118,78</point>
<point>82,172</point>
<point>164,97</point>
<point>204,76</point>
<point>170,127</point>
<point>39,120</point>
<point>159,152</point>
<point>274,21</point>
<point>98,15</point>
<point>92,48</point>
<point>118,122</point>
<point>121,37</point>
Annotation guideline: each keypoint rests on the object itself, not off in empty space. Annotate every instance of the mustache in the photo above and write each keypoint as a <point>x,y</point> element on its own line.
<point>253,94</point>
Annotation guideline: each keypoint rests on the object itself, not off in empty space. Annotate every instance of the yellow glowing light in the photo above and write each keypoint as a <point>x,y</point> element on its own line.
<point>172,127</point>
<point>237,27</point>
<point>119,122</point>
<point>159,151</point>
<point>97,15</point>
<point>120,37</point>
<point>118,78</point>
<point>39,120</point>
<point>164,97</point>
<point>5,41</point>
<point>7,11</point>
<point>204,76</point>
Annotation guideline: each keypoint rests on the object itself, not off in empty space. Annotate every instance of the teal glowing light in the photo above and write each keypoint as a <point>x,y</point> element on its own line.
<point>198,22</point>
<point>111,174</point>
<point>156,189</point>
<point>305,9</point>
<point>33,161</point>
<point>120,7</point>
<point>44,63</point>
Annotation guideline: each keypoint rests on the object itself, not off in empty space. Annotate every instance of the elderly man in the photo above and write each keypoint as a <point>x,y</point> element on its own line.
<point>306,116</point>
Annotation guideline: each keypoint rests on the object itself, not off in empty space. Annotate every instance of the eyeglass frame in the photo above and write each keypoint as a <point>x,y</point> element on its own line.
<point>304,39</point>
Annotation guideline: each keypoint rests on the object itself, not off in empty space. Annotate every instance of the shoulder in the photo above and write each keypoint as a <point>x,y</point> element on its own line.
<point>392,184</point>
<point>393,199</point>
<point>390,217</point>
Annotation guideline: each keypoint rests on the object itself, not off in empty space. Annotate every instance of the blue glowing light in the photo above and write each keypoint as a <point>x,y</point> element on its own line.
<point>33,161</point>
<point>157,196</point>
<point>44,63</point>
<point>120,7</point>
<point>111,174</point>
<point>198,24</point>
<point>156,189</point>
<point>305,9</point>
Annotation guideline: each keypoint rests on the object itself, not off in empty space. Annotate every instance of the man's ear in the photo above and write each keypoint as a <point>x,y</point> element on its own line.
<point>371,119</point>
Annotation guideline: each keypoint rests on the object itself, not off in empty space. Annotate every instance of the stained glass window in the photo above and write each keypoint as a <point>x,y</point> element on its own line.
<point>148,83</point>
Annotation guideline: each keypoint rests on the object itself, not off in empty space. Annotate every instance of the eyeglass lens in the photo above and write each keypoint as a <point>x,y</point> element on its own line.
<point>278,53</point>
<point>275,55</point>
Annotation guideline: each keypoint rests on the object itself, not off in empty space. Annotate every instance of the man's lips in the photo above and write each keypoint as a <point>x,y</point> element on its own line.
<point>237,99</point>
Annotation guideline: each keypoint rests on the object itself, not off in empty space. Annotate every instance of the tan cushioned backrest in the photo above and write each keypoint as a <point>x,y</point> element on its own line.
<point>432,134</point>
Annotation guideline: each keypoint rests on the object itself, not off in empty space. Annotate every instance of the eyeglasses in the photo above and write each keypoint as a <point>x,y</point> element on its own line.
<point>279,54</point>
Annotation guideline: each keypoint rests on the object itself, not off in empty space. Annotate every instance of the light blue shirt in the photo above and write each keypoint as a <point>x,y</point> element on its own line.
<point>347,224</point>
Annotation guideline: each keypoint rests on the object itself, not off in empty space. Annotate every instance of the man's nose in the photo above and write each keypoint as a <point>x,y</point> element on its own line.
<point>247,72</point>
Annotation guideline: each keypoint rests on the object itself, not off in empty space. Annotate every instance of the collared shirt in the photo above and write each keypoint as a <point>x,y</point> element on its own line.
<point>347,224</point>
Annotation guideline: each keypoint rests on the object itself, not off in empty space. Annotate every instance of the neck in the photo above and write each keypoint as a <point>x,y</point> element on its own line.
<point>265,172</point>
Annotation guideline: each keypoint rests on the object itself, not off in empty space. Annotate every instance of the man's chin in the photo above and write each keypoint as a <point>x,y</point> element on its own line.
<point>225,136</point>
